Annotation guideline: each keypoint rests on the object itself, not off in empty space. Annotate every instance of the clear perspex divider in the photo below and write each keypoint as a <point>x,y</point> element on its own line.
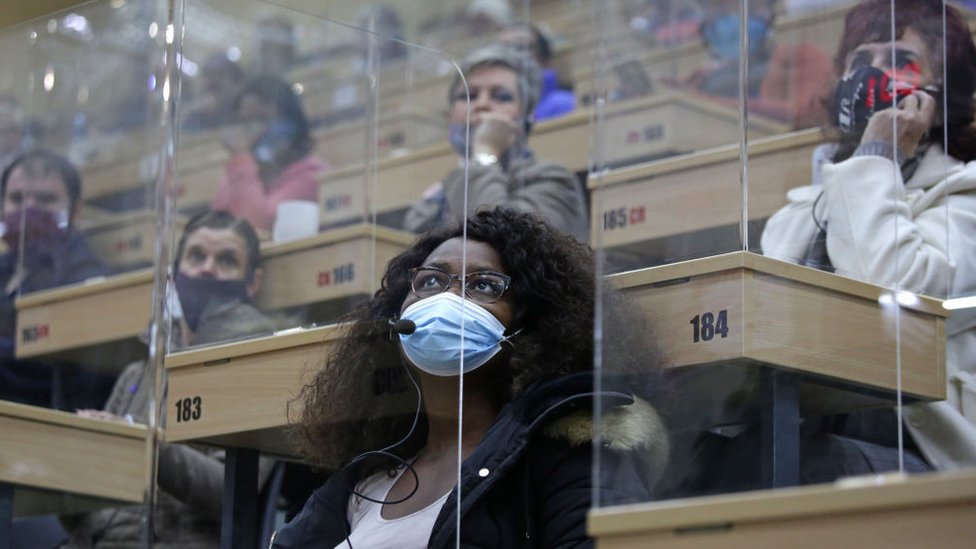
<point>802,338</point>
<point>84,102</point>
<point>315,163</point>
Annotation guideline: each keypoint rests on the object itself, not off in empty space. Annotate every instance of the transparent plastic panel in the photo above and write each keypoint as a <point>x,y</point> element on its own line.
<point>85,94</point>
<point>825,359</point>
<point>324,157</point>
<point>667,131</point>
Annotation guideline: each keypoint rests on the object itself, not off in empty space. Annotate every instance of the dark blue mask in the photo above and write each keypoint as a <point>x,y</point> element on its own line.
<point>722,35</point>
<point>198,293</point>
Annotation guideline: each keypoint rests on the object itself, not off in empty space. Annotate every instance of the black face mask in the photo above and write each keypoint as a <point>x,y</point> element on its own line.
<point>859,95</point>
<point>198,293</point>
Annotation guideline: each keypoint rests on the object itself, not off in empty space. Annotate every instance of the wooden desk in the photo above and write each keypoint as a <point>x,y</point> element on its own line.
<point>758,341</point>
<point>642,128</point>
<point>639,129</point>
<point>126,240</point>
<point>326,270</point>
<point>796,318</point>
<point>245,389</point>
<point>339,264</point>
<point>397,129</point>
<point>75,322</point>
<point>59,462</point>
<point>390,185</point>
<point>638,210</point>
<point>931,510</point>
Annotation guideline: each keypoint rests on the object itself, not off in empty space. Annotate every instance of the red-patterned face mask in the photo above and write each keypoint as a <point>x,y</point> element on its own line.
<point>868,90</point>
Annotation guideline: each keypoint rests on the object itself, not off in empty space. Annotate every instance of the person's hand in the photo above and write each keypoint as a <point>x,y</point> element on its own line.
<point>914,115</point>
<point>237,139</point>
<point>493,135</point>
<point>104,416</point>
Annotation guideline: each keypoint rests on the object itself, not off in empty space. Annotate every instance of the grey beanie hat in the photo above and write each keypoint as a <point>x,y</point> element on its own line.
<point>528,71</point>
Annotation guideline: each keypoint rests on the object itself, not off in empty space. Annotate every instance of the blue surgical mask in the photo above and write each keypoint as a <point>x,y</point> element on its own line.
<point>436,345</point>
<point>722,35</point>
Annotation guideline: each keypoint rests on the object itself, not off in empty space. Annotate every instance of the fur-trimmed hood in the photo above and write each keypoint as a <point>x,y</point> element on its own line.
<point>635,427</point>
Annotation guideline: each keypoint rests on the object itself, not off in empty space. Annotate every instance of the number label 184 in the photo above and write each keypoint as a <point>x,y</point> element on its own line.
<point>707,325</point>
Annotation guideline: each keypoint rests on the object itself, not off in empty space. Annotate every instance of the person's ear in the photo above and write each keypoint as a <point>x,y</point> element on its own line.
<point>254,285</point>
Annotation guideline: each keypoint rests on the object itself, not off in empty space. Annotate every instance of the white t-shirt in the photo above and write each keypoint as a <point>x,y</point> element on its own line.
<point>371,530</point>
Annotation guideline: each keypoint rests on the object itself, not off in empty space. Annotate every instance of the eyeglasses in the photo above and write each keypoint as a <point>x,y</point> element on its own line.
<point>482,286</point>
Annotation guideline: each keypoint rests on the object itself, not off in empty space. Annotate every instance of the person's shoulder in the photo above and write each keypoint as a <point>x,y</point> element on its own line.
<point>79,261</point>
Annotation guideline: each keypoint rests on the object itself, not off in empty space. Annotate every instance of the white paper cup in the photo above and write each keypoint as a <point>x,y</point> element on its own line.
<point>295,219</point>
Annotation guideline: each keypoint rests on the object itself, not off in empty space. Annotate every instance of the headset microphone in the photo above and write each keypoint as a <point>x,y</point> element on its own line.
<point>403,326</point>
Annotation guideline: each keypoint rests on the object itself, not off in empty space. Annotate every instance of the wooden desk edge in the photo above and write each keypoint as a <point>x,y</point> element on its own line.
<point>704,157</point>
<point>763,506</point>
<point>87,287</point>
<point>766,265</point>
<point>235,349</point>
<point>340,234</point>
<point>68,419</point>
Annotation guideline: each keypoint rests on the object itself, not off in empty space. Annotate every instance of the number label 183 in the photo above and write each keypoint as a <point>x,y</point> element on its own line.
<point>707,325</point>
<point>188,409</point>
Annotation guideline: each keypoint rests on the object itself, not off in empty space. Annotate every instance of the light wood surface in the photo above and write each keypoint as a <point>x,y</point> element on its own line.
<point>780,314</point>
<point>655,126</point>
<point>89,313</point>
<point>932,510</point>
<point>245,389</point>
<point>697,191</point>
<point>396,129</point>
<point>126,239</point>
<point>337,263</point>
<point>55,451</point>
<point>796,318</point>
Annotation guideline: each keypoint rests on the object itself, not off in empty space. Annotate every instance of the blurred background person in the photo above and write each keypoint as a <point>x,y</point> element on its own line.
<point>276,48</point>
<point>556,96</point>
<point>892,204</point>
<point>501,170</point>
<point>785,81</point>
<point>220,82</point>
<point>41,193</point>
<point>663,22</point>
<point>385,22</point>
<point>217,274</point>
<point>487,16</point>
<point>272,157</point>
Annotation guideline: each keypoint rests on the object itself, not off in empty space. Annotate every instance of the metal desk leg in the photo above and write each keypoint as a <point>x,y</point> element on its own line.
<point>780,428</point>
<point>6,515</point>
<point>238,526</point>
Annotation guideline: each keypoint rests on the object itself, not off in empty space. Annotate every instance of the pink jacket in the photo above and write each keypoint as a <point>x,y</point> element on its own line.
<point>242,193</point>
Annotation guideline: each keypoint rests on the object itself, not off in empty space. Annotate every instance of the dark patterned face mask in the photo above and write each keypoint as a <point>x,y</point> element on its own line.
<point>862,93</point>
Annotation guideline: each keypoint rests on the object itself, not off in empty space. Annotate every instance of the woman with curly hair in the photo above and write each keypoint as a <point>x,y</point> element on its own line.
<point>525,296</point>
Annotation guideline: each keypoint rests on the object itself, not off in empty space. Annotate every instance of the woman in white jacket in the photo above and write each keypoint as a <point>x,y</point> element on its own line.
<point>893,201</point>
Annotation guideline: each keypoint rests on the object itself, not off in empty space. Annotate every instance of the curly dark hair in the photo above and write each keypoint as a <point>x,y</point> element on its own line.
<point>554,287</point>
<point>870,21</point>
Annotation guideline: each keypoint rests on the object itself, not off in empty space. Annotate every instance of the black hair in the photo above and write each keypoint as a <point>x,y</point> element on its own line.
<point>43,162</point>
<point>282,97</point>
<point>553,290</point>
<point>217,219</point>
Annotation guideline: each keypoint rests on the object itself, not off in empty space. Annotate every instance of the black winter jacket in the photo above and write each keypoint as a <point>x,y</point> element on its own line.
<point>538,486</point>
